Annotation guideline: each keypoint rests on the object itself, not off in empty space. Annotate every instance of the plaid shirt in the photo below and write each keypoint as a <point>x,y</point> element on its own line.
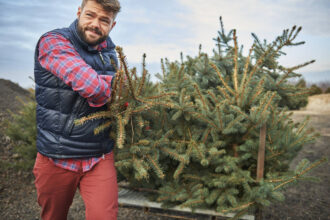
<point>58,56</point>
<point>77,165</point>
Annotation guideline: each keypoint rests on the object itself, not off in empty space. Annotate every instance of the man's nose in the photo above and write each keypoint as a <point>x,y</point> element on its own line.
<point>95,23</point>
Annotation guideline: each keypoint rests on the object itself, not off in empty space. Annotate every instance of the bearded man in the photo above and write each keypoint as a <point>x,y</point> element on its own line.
<point>74,68</point>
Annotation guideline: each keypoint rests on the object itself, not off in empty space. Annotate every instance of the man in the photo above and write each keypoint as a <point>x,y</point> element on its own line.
<point>73,74</point>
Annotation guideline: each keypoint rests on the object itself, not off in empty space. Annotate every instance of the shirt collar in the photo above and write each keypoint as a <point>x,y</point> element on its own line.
<point>102,45</point>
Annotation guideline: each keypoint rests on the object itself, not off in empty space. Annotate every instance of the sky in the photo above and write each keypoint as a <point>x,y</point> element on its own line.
<point>165,28</point>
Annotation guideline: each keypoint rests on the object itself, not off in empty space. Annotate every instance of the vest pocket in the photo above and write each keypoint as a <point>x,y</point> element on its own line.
<point>75,111</point>
<point>69,125</point>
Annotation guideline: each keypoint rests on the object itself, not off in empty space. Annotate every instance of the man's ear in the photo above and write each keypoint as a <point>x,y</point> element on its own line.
<point>113,24</point>
<point>79,12</point>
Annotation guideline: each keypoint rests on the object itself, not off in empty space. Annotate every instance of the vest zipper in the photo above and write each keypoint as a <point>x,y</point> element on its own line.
<point>101,56</point>
<point>102,59</point>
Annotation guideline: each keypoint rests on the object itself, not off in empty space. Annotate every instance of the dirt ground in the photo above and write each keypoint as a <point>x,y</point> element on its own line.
<point>306,200</point>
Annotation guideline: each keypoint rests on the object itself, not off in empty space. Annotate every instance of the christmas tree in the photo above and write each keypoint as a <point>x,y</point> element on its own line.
<point>193,137</point>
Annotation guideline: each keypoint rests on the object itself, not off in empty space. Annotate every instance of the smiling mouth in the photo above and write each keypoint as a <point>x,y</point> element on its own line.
<point>94,33</point>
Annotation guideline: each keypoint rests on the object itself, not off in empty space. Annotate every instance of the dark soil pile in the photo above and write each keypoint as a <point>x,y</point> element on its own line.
<point>306,200</point>
<point>9,94</point>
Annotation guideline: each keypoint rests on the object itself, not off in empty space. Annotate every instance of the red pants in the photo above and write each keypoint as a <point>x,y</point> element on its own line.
<point>56,188</point>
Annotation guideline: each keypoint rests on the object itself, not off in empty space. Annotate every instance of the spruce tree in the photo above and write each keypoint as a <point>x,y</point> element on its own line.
<point>193,137</point>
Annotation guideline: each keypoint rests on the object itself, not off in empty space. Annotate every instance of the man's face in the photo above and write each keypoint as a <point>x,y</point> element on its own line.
<point>94,23</point>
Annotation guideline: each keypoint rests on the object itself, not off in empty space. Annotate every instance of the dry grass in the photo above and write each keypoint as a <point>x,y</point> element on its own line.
<point>317,104</point>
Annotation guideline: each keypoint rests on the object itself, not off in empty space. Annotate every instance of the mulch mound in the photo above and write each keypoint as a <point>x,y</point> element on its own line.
<point>10,93</point>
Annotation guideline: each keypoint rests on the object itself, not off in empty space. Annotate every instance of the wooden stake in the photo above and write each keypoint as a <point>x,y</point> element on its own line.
<point>261,153</point>
<point>261,164</point>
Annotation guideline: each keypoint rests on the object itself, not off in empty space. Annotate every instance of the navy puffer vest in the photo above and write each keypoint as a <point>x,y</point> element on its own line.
<point>58,105</point>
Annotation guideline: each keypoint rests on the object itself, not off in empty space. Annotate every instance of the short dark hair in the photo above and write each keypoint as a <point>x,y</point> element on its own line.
<point>108,5</point>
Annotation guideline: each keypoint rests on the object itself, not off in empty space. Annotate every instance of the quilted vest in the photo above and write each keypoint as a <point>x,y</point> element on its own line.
<point>58,106</point>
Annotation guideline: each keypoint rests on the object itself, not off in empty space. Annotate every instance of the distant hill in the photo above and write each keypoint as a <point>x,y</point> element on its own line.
<point>316,77</point>
<point>9,92</point>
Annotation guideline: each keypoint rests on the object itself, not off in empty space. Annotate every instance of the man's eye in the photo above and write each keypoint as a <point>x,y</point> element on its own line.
<point>89,15</point>
<point>105,21</point>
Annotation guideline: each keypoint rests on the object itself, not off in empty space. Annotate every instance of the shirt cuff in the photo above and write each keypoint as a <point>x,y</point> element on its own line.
<point>102,101</point>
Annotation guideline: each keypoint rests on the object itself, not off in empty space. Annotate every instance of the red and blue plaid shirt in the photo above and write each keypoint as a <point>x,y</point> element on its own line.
<point>58,56</point>
<point>77,165</point>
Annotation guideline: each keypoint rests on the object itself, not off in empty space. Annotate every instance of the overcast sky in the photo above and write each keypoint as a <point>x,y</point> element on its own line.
<point>165,28</point>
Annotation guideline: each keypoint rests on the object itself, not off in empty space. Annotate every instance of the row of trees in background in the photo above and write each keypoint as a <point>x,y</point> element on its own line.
<point>315,88</point>
<point>21,128</point>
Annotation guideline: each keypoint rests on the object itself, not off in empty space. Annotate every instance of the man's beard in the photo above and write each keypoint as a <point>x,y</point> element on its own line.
<point>82,34</point>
